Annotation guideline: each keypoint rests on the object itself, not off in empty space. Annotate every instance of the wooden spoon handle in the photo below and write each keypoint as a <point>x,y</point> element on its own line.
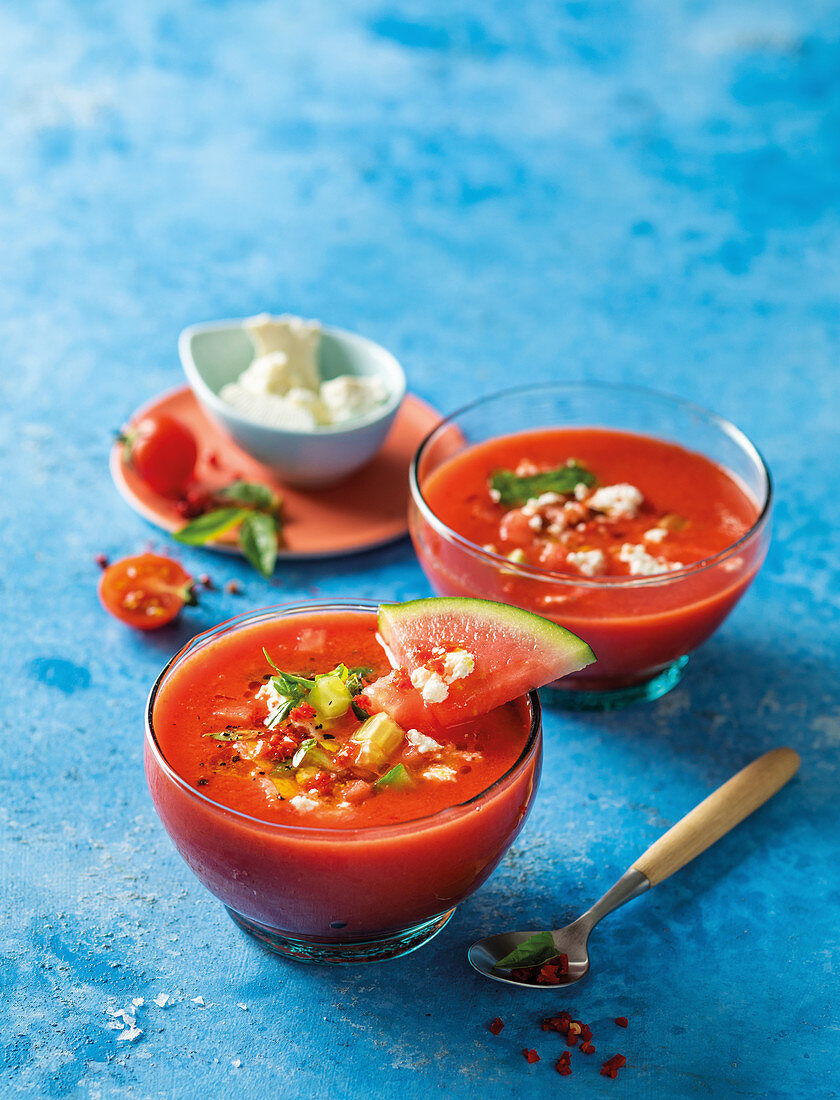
<point>717,814</point>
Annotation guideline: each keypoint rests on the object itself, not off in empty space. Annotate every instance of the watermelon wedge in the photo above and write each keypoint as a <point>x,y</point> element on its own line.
<point>462,657</point>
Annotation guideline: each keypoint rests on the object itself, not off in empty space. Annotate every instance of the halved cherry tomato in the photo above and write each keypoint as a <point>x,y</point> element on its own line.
<point>163,452</point>
<point>146,591</point>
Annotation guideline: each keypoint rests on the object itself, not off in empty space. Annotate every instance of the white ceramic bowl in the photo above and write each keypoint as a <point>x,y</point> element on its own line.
<point>216,353</point>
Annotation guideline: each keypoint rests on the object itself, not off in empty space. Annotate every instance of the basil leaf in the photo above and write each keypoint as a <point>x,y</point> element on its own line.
<point>258,539</point>
<point>537,949</point>
<point>360,713</point>
<point>210,526</point>
<point>515,490</point>
<point>252,493</point>
<point>355,678</point>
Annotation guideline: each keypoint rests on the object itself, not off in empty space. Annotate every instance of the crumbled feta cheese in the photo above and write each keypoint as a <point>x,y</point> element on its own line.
<point>526,468</point>
<point>351,395</point>
<point>303,802</point>
<point>532,506</point>
<point>421,742</point>
<point>441,772</point>
<point>490,547</point>
<point>495,496</point>
<point>655,534</point>
<point>282,386</point>
<point>581,491</point>
<point>420,677</point>
<point>517,556</point>
<point>535,523</point>
<point>643,564</point>
<point>298,340</point>
<point>617,501</point>
<point>591,563</point>
<point>434,689</point>
<point>268,409</point>
<point>558,526</point>
<point>457,665</point>
<point>277,374</point>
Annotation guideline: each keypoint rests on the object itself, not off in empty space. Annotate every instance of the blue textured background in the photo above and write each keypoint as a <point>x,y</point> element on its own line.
<point>630,191</point>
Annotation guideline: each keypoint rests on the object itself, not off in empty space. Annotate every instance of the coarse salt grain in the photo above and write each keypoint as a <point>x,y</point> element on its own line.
<point>129,1035</point>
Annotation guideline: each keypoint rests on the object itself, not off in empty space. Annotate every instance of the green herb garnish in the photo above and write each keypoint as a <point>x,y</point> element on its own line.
<point>258,539</point>
<point>534,951</point>
<point>304,748</point>
<point>257,513</point>
<point>251,494</point>
<point>515,490</point>
<point>211,525</point>
<point>355,677</point>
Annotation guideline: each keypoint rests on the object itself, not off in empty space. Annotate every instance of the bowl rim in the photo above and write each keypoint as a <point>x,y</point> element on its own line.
<point>537,572</point>
<point>227,626</point>
<point>394,372</point>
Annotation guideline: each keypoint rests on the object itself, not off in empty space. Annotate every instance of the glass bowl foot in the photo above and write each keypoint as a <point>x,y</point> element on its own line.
<point>616,698</point>
<point>389,946</point>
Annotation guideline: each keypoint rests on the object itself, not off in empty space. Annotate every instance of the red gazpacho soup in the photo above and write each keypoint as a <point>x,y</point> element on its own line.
<point>580,512</point>
<point>308,810</point>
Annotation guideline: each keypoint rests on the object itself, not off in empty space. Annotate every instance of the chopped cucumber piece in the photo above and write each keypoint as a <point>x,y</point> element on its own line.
<point>377,738</point>
<point>330,696</point>
<point>397,778</point>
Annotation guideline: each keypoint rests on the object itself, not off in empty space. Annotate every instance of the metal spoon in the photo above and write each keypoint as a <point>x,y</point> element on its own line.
<point>697,831</point>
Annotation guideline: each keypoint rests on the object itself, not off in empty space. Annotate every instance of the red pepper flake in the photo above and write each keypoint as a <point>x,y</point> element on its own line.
<point>585,1032</point>
<point>621,1021</point>
<point>587,1048</point>
<point>612,1065</point>
<point>548,974</point>
<point>559,1023</point>
<point>400,679</point>
<point>563,1064</point>
<point>496,1025</point>
<point>101,560</point>
<point>523,974</point>
<point>361,700</point>
<point>234,587</point>
<point>302,713</point>
<point>530,1056</point>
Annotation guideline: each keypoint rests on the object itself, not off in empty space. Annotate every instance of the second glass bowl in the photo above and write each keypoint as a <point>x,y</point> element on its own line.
<point>641,628</point>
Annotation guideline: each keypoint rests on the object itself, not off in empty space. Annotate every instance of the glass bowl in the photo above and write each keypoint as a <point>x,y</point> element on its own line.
<point>339,895</point>
<point>641,628</point>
